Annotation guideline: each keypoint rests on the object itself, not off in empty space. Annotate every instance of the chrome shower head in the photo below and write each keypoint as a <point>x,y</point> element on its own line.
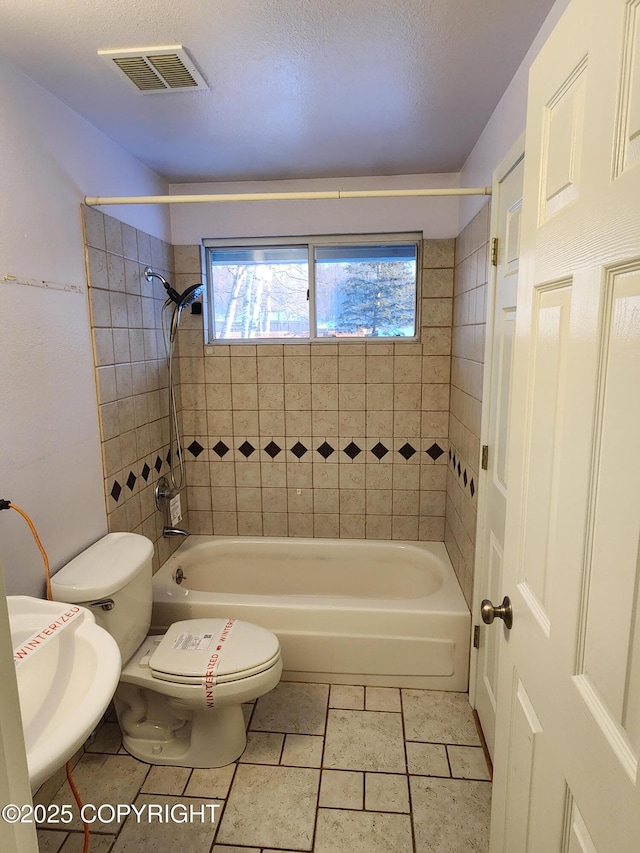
<point>180,299</point>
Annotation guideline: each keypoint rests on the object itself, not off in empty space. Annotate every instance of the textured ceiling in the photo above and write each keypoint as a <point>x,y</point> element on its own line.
<point>298,88</point>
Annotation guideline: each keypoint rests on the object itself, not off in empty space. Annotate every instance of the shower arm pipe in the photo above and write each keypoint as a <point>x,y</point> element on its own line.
<point>95,201</point>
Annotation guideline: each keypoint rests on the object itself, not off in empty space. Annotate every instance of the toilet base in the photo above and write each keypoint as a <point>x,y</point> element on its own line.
<point>212,738</point>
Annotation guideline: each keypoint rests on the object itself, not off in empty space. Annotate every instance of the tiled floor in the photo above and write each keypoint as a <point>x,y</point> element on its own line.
<point>341,769</point>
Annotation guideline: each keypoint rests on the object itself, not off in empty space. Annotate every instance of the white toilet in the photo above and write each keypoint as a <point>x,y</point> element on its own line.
<point>180,694</point>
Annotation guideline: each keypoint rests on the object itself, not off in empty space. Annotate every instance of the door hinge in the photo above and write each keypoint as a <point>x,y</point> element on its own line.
<point>476,636</point>
<point>494,252</point>
<point>484,462</point>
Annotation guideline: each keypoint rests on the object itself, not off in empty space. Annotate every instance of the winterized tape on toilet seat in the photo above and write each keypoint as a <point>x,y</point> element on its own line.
<point>212,666</point>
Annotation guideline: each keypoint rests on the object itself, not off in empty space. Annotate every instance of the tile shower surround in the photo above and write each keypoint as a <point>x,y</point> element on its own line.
<point>340,769</point>
<point>131,372</point>
<point>463,457</point>
<point>344,439</point>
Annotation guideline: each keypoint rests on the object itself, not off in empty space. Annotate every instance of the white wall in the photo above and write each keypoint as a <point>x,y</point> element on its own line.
<point>49,444</point>
<point>505,125</point>
<point>437,217</point>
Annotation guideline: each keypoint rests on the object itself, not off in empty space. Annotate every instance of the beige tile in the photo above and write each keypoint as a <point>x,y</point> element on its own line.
<point>156,836</point>
<point>297,397</point>
<point>212,783</point>
<point>302,751</point>
<point>450,815</point>
<point>50,841</point>
<point>275,524</point>
<point>341,789</point>
<point>386,792</point>
<point>347,697</point>
<point>351,396</point>
<point>262,748</point>
<point>75,843</point>
<point>438,253</point>
<point>427,759</point>
<point>364,740</point>
<point>382,699</point>
<point>225,848</point>
<point>103,779</point>
<point>326,525</point>
<point>271,807</point>
<point>167,780</point>
<point>362,832</point>
<point>270,370</point>
<point>352,527</point>
<point>438,716</point>
<point>293,708</point>
<point>378,527</point>
<point>300,524</point>
<point>468,762</point>
<point>108,739</point>
<point>249,524</point>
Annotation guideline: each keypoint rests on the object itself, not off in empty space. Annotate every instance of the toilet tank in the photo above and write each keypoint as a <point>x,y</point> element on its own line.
<point>112,578</point>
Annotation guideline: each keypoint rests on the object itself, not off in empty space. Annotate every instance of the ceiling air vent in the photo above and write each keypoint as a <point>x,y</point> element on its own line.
<point>157,69</point>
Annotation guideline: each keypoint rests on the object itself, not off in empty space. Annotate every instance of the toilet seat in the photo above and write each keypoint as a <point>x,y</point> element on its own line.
<point>183,655</point>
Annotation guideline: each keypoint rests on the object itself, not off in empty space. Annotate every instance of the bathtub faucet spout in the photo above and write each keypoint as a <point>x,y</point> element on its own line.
<point>174,531</point>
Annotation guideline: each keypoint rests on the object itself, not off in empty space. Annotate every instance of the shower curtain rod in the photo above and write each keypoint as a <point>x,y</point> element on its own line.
<point>94,201</point>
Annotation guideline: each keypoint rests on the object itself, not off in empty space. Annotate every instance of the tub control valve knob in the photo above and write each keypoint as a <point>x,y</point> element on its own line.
<point>504,612</point>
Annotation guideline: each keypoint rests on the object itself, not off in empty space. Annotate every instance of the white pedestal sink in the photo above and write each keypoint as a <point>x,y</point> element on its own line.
<point>67,670</point>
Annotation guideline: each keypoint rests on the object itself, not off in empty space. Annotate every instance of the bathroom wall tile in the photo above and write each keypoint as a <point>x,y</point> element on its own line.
<point>326,526</point>
<point>351,396</point>
<point>438,253</point>
<point>325,475</point>
<point>297,397</point>
<point>352,501</point>
<point>270,370</point>
<point>299,476</point>
<point>341,789</point>
<point>300,524</point>
<point>275,524</point>
<point>352,476</point>
<point>244,370</point>
<point>362,832</point>
<point>100,307</point>
<point>115,272</point>
<point>97,269</point>
<point>325,500</point>
<point>386,792</point>
<point>300,503</point>
<point>407,396</point>
<point>271,423</point>
<point>437,312</point>
<point>273,474</point>
<point>249,499</point>
<point>297,424</point>
<point>379,423</point>
<point>437,282</point>
<point>378,527</point>
<point>324,369</point>
<point>225,523</point>
<point>379,368</point>
<point>218,397</point>
<point>324,397</point>
<point>352,527</point>
<point>364,740</point>
<point>404,527</point>
<point>407,424</point>
<point>244,396</point>
<point>274,500</point>
<point>250,818</point>
<point>93,221</point>
<point>217,370</point>
<point>249,524</point>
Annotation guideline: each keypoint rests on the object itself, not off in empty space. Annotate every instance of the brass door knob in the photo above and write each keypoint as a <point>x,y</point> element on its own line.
<point>504,612</point>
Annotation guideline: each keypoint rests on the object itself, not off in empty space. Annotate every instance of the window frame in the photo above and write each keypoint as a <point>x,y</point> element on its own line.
<point>311,241</point>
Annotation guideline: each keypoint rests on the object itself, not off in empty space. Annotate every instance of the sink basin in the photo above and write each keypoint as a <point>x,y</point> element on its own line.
<point>67,669</point>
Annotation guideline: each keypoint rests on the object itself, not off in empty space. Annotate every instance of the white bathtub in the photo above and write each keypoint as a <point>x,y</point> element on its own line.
<point>388,614</point>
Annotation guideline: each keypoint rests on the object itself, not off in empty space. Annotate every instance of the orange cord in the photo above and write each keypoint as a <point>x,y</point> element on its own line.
<point>47,573</point>
<point>32,528</point>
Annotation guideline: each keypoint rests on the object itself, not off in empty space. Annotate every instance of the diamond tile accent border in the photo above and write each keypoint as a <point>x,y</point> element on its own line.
<point>298,450</point>
<point>463,473</point>
<point>272,449</point>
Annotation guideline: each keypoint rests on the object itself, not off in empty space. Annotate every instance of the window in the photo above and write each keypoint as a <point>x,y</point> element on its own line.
<point>313,289</point>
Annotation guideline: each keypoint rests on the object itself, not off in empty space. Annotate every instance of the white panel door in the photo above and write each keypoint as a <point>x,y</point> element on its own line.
<point>507,198</point>
<point>568,713</point>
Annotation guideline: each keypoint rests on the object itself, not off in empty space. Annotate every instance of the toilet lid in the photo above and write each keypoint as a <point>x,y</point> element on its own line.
<point>185,651</point>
